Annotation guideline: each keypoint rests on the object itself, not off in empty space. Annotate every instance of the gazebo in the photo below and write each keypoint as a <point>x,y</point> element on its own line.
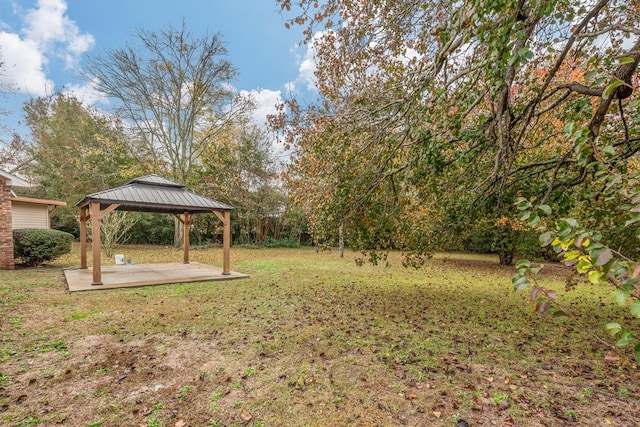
<point>150,193</point>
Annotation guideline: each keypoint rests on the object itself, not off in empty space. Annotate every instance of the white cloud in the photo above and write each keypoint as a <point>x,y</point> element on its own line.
<point>48,26</point>
<point>290,87</point>
<point>308,65</point>
<point>46,33</point>
<point>23,65</point>
<point>307,68</point>
<point>86,93</point>
<point>265,101</point>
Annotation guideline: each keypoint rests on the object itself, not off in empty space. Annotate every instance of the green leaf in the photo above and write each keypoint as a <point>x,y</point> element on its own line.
<point>545,209</point>
<point>635,308</point>
<point>523,263</point>
<point>571,255</point>
<point>626,60</point>
<point>637,350</point>
<point>595,277</point>
<point>599,80</point>
<point>564,244</point>
<point>628,286</point>
<point>533,220</point>
<point>606,93</point>
<point>524,215</point>
<point>546,238</point>
<point>620,296</point>
<point>626,338</point>
<point>584,266</point>
<point>635,217</point>
<point>560,313</point>
<point>569,128</point>
<point>571,222</point>
<point>613,328</point>
<point>609,150</point>
<point>520,283</point>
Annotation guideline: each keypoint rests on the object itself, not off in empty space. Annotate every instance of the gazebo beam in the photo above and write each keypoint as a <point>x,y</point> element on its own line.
<point>106,211</point>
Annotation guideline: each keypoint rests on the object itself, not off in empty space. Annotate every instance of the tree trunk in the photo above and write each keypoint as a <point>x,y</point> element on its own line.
<point>506,258</point>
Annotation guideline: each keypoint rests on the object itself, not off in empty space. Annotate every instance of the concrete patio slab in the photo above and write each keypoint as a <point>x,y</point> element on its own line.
<point>127,275</point>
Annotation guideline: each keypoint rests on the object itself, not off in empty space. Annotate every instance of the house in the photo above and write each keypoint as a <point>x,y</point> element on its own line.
<point>19,212</point>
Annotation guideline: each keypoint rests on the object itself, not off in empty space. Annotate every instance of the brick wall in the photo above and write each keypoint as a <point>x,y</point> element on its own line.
<point>6,232</point>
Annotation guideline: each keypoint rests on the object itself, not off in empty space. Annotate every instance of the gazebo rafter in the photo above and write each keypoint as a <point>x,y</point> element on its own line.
<point>155,194</point>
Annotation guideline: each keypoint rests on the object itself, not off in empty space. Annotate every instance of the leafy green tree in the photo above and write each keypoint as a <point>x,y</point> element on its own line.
<point>76,151</point>
<point>440,113</point>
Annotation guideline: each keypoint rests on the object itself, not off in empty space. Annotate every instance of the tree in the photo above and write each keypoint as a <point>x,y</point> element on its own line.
<point>76,151</point>
<point>445,105</point>
<point>241,170</point>
<point>13,151</point>
<point>3,86</point>
<point>435,116</point>
<point>175,89</point>
<point>115,229</point>
<point>14,154</point>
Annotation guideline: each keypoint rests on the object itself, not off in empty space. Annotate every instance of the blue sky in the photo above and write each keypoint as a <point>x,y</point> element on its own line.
<point>44,42</point>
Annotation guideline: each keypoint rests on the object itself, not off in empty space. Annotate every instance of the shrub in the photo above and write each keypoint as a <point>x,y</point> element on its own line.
<point>35,246</point>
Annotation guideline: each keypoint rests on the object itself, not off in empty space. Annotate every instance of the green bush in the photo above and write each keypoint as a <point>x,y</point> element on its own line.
<point>35,246</point>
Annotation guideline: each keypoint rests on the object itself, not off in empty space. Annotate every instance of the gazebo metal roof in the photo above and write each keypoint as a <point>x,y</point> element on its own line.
<point>150,193</point>
<point>153,193</point>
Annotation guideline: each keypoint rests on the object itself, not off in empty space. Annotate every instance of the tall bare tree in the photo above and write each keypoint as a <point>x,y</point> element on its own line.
<point>173,86</point>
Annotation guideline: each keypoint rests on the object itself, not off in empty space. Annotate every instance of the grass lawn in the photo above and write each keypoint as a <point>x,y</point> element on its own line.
<point>310,340</point>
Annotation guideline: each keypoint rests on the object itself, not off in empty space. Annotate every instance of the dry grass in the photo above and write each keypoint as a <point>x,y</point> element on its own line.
<point>309,340</point>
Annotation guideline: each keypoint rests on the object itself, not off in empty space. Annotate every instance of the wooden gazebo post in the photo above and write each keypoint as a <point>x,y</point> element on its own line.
<point>186,223</point>
<point>225,217</point>
<point>83,237</point>
<point>94,207</point>
<point>226,244</point>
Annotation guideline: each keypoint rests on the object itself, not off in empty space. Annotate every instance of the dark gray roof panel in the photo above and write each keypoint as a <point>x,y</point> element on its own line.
<point>153,193</point>
<point>156,180</point>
